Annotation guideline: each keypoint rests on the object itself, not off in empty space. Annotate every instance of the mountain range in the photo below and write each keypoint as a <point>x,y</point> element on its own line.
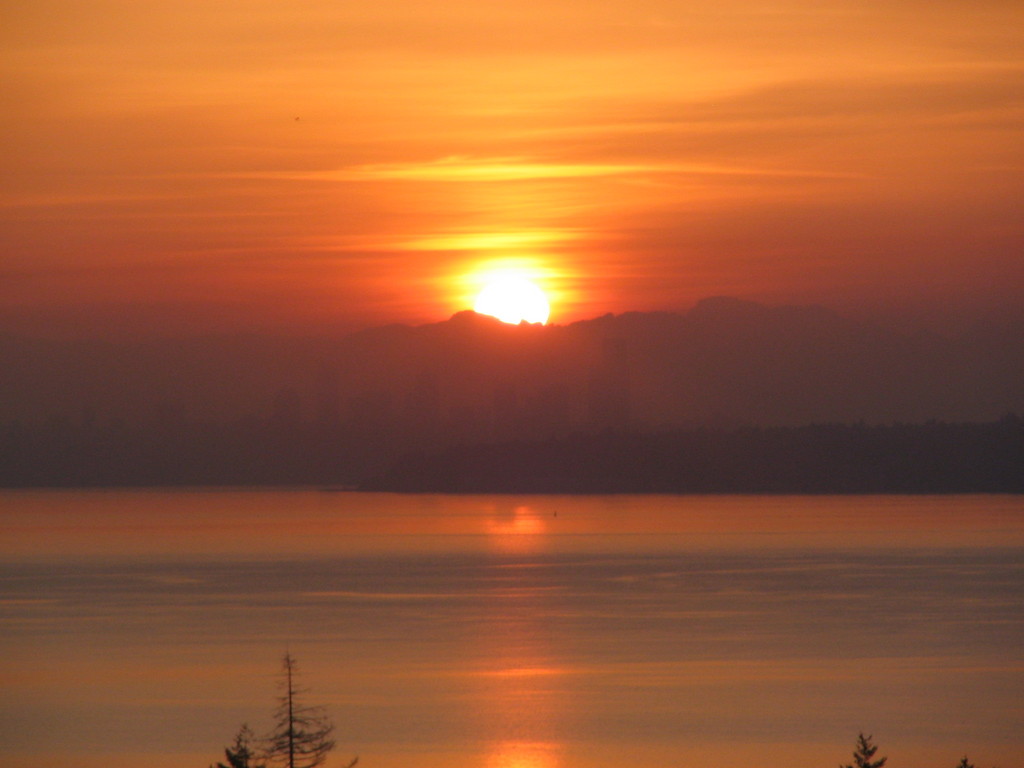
<point>730,396</point>
<point>725,362</point>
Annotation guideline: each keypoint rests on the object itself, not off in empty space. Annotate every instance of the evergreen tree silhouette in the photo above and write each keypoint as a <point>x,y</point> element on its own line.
<point>242,754</point>
<point>965,763</point>
<point>302,734</point>
<point>863,753</point>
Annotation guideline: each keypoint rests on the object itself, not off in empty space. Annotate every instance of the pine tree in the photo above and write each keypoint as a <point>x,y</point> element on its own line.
<point>301,737</point>
<point>965,763</point>
<point>863,753</point>
<point>242,754</point>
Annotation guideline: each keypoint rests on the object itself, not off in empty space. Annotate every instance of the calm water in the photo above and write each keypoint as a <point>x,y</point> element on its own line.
<point>142,628</point>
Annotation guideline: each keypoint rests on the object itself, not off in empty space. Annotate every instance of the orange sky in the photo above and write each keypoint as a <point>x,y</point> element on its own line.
<point>197,166</point>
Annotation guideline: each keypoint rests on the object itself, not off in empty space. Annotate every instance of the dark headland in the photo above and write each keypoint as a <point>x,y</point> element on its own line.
<point>833,459</point>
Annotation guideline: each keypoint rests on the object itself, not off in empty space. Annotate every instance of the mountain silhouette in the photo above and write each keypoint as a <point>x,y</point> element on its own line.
<point>337,410</point>
<point>726,361</point>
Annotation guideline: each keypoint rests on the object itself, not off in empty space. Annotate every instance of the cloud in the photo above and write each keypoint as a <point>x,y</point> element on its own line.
<point>512,169</point>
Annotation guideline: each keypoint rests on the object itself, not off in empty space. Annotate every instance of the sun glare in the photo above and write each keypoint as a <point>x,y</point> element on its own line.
<point>512,298</point>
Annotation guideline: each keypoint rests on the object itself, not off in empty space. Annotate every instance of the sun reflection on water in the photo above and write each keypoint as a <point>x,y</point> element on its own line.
<point>521,529</point>
<point>518,754</point>
<point>523,690</point>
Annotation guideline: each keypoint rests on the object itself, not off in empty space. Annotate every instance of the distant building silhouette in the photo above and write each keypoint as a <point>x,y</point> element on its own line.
<point>328,396</point>
<point>167,418</point>
<point>422,413</point>
<point>608,391</point>
<point>546,413</point>
<point>370,412</point>
<point>286,410</point>
<point>505,402</point>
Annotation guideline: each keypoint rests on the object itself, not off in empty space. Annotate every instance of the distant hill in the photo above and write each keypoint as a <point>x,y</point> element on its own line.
<point>339,410</point>
<point>725,362</point>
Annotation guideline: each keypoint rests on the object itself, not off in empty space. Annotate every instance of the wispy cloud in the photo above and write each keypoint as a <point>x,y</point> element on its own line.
<point>510,169</point>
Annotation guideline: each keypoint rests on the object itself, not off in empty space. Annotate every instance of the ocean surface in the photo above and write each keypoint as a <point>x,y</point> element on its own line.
<point>144,627</point>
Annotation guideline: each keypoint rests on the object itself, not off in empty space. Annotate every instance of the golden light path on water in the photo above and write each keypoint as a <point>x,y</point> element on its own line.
<point>523,755</point>
<point>524,696</point>
<point>512,632</point>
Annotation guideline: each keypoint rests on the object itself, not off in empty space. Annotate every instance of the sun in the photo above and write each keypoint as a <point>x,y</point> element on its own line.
<point>512,298</point>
